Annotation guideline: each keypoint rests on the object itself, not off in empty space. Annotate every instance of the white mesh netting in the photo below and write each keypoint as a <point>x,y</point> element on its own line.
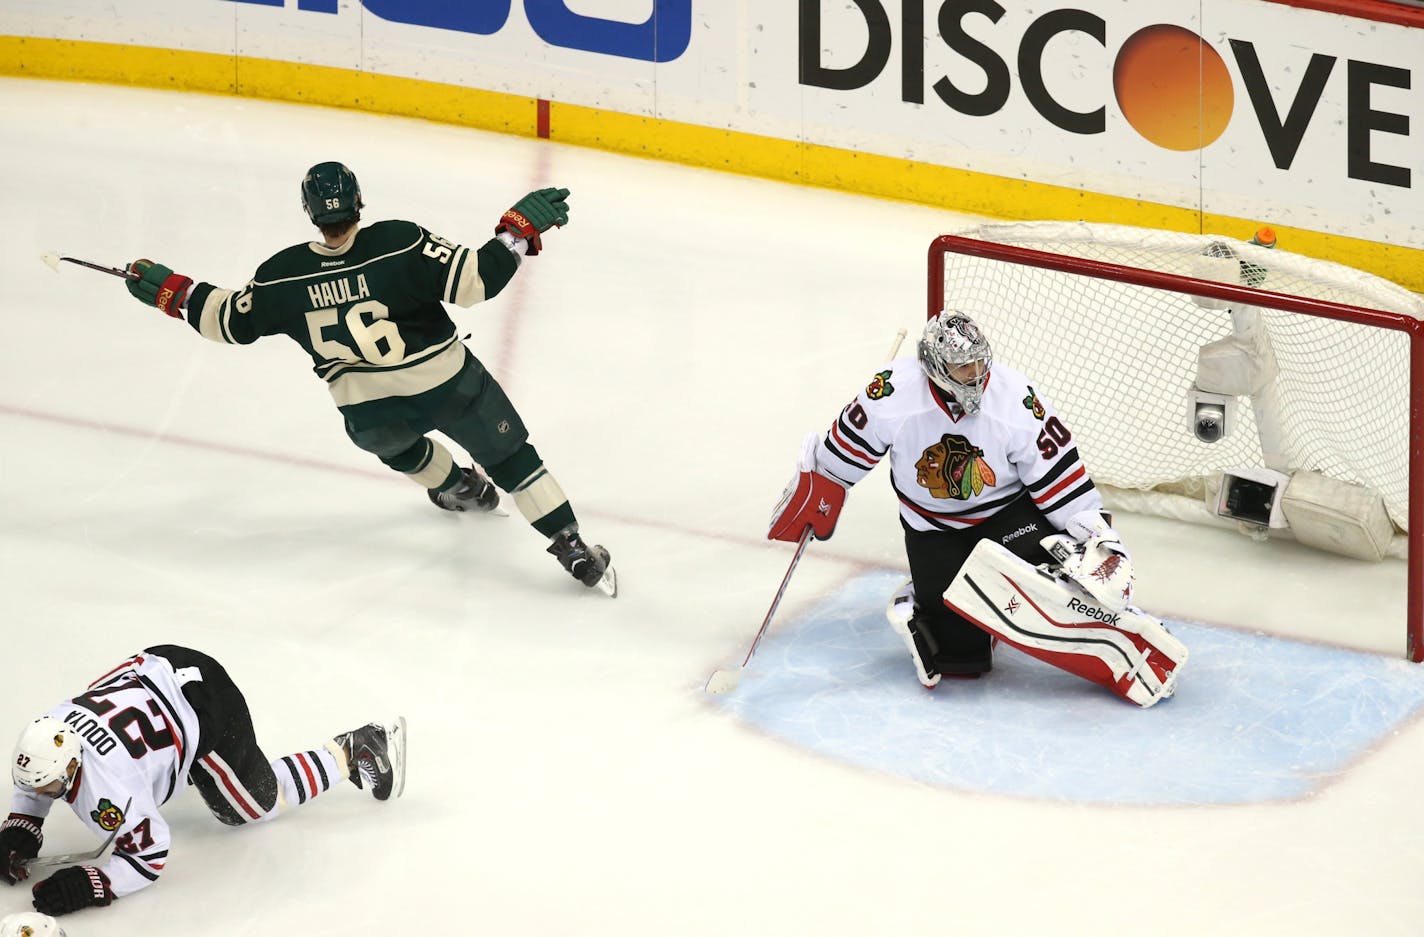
<point>1118,359</point>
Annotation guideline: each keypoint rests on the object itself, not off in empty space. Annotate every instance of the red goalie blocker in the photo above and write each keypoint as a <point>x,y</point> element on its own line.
<point>811,500</point>
<point>1050,618</point>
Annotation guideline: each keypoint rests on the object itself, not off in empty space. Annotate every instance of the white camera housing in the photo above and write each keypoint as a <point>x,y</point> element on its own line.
<point>1252,496</point>
<point>1321,512</point>
<point>1210,416</point>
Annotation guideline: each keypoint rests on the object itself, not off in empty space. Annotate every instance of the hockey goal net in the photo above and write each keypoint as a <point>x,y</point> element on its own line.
<point>1324,365</point>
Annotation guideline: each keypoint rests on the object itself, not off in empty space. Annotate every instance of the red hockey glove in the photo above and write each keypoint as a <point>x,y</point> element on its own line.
<point>20,839</point>
<point>72,889</point>
<point>810,499</point>
<point>534,214</point>
<point>160,287</point>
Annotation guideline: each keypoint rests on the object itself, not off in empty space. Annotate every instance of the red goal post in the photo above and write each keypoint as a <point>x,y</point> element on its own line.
<point>1112,321</point>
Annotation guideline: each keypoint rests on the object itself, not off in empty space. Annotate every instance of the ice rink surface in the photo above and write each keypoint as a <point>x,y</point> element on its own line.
<point>567,774</point>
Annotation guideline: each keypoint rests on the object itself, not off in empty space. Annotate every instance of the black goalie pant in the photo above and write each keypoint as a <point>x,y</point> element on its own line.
<point>935,559</point>
<point>229,769</point>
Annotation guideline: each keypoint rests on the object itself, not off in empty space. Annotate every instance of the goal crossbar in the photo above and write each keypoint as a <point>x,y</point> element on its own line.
<point>1413,328</point>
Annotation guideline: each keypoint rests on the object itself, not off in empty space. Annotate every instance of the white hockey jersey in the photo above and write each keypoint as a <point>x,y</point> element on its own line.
<point>139,736</point>
<point>950,469</point>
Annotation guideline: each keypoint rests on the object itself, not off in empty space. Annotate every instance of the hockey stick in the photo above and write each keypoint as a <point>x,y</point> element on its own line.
<point>53,259</point>
<point>727,679</point>
<point>895,345</point>
<point>73,858</point>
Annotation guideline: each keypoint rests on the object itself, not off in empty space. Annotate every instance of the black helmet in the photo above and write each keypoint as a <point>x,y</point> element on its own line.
<point>331,194</point>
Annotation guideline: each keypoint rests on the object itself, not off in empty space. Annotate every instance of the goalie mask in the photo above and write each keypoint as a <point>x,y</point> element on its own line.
<point>43,754</point>
<point>331,195</point>
<point>956,357</point>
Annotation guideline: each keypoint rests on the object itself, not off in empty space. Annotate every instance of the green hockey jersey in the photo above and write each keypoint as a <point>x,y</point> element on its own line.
<point>369,313</point>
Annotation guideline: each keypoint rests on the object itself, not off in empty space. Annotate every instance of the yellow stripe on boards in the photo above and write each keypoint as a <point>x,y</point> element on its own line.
<point>729,150</point>
<point>957,190</point>
<point>386,94</point>
<point>73,60</point>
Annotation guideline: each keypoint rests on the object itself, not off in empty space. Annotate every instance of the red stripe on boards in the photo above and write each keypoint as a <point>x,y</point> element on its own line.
<point>541,119</point>
<point>1383,11</point>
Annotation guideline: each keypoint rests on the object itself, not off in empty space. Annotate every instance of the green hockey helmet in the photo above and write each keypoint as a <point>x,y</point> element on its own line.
<point>331,194</point>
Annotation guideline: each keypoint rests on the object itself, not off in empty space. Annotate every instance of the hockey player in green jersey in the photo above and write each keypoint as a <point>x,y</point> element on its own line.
<point>366,304</point>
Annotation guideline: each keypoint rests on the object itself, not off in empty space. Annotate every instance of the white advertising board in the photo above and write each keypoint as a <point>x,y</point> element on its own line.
<point>1235,107</point>
<point>1227,107</point>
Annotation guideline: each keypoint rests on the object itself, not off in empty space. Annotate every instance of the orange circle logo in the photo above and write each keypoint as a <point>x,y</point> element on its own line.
<point>1173,87</point>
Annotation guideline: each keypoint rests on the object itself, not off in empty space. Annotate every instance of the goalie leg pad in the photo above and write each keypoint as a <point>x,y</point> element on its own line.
<point>1050,618</point>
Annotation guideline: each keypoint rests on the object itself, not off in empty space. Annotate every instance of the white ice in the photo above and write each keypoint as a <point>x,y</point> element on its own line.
<point>567,773</point>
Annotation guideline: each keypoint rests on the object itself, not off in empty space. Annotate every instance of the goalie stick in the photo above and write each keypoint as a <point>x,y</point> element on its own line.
<point>73,858</point>
<point>53,259</point>
<point>727,679</point>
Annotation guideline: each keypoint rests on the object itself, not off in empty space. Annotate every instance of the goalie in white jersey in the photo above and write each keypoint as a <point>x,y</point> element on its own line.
<point>164,718</point>
<point>976,454</point>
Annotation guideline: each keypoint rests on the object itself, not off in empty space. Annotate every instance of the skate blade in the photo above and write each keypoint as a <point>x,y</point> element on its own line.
<point>395,746</point>
<point>496,511</point>
<point>608,585</point>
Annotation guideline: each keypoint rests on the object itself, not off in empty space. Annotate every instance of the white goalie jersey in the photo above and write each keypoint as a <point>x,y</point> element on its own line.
<point>139,736</point>
<point>951,470</point>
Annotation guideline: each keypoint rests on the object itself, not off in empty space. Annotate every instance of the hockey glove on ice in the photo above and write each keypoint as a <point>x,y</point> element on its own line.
<point>534,214</point>
<point>73,889</point>
<point>20,839</point>
<point>160,287</point>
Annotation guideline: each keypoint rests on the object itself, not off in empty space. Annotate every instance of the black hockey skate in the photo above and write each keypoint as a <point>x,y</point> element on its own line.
<point>590,565</point>
<point>473,492</point>
<point>375,758</point>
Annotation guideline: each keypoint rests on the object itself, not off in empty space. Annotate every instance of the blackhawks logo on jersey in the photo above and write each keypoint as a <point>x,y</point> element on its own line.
<point>954,468</point>
<point>1032,404</point>
<point>108,816</point>
<point>880,386</point>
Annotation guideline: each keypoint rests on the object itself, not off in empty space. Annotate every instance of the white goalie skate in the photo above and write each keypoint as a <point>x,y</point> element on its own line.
<point>900,612</point>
